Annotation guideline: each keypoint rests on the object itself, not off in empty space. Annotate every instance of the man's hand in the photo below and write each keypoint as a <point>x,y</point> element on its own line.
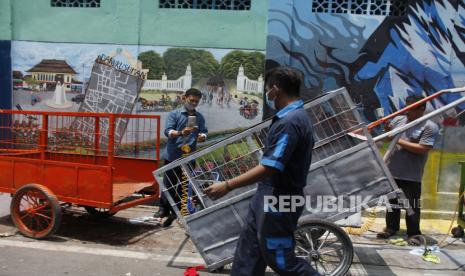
<point>187,131</point>
<point>387,126</point>
<point>201,138</point>
<point>216,190</point>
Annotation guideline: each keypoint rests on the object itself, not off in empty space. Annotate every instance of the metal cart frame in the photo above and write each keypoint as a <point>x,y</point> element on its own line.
<point>94,160</point>
<point>335,117</point>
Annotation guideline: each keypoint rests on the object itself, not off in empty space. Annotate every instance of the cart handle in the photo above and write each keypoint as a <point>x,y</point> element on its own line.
<point>422,119</point>
<point>415,105</point>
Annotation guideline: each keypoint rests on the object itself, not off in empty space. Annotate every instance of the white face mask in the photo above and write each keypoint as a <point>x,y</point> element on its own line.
<point>189,107</point>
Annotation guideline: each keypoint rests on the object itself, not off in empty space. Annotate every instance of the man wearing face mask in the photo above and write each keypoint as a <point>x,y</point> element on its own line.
<point>182,139</point>
<point>267,238</point>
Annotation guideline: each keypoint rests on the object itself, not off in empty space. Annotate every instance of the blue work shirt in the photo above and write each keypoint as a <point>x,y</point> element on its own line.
<point>177,120</point>
<point>288,148</point>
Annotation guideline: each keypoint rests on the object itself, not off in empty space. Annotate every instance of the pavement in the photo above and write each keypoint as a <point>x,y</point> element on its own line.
<point>123,245</point>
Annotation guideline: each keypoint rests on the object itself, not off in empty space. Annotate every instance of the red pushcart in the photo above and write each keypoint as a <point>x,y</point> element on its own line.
<point>102,162</point>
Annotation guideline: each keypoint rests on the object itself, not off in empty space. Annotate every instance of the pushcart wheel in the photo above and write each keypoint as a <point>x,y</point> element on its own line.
<point>101,213</point>
<point>330,253</point>
<point>35,211</point>
<point>218,270</point>
<point>457,232</point>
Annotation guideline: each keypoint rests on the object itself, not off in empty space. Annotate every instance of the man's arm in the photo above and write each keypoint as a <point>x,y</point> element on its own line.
<point>426,143</point>
<point>414,147</point>
<point>256,174</point>
<point>170,126</point>
<point>203,131</point>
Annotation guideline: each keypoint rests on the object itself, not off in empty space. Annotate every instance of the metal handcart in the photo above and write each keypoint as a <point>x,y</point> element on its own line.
<point>102,162</point>
<point>346,163</point>
<point>342,165</point>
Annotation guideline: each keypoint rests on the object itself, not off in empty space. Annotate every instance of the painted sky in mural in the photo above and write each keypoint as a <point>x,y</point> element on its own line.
<point>230,80</point>
<point>380,59</point>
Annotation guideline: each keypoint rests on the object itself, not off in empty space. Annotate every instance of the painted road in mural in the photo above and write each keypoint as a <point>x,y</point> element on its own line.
<point>380,56</point>
<point>218,117</point>
<point>230,80</point>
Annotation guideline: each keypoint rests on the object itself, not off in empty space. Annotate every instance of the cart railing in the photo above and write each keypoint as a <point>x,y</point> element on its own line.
<point>396,133</point>
<point>94,138</point>
<point>421,102</point>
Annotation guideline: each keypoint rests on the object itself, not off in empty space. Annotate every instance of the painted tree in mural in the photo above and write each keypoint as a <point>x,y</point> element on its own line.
<point>31,82</point>
<point>253,62</point>
<point>202,62</point>
<point>154,62</point>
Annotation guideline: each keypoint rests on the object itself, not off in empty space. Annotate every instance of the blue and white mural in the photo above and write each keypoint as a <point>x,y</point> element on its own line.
<point>380,57</point>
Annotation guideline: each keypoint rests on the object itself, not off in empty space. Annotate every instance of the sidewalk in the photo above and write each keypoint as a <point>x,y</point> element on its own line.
<point>376,257</point>
<point>175,252</point>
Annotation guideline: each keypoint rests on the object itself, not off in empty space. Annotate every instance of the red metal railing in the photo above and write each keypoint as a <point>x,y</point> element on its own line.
<point>95,138</point>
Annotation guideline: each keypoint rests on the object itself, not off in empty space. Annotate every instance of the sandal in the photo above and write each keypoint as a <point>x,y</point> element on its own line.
<point>414,241</point>
<point>386,234</point>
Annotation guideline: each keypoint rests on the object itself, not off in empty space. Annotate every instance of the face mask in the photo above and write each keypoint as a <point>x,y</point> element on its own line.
<point>189,107</point>
<point>269,102</point>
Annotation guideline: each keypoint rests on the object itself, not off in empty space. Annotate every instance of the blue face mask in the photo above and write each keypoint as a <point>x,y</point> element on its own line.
<point>271,104</point>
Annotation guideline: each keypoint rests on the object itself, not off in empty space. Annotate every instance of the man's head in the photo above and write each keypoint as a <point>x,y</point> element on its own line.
<point>192,98</point>
<point>417,112</point>
<point>282,84</point>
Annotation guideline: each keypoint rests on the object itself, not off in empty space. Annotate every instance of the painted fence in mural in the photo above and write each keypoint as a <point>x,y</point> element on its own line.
<point>245,84</point>
<point>181,84</point>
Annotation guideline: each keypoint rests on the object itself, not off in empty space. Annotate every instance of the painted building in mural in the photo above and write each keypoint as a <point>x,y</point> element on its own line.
<point>50,71</point>
<point>215,46</point>
<point>382,51</point>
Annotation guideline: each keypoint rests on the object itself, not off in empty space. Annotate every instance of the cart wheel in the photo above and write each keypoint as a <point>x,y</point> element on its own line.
<point>457,232</point>
<point>330,253</point>
<point>101,213</point>
<point>218,270</point>
<point>35,211</point>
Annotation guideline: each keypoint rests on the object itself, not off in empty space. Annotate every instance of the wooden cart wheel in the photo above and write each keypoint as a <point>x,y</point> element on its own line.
<point>35,211</point>
<point>99,212</point>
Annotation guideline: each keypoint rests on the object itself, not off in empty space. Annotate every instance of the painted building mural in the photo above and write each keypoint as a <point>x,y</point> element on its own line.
<point>381,51</point>
<point>231,81</point>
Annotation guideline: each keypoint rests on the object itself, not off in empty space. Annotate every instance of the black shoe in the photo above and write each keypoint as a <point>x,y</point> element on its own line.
<point>161,213</point>
<point>169,220</point>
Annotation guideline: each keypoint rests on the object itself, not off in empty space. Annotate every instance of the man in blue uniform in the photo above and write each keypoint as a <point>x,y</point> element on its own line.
<point>267,239</point>
<point>182,139</point>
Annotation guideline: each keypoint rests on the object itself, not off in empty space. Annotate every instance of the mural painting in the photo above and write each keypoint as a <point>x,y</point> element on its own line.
<point>231,81</point>
<point>382,51</point>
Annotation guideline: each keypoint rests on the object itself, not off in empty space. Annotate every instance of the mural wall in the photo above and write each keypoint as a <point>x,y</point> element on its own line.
<point>231,81</point>
<point>380,52</point>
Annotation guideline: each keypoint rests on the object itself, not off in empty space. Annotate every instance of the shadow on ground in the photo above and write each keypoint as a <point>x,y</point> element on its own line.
<point>80,226</point>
